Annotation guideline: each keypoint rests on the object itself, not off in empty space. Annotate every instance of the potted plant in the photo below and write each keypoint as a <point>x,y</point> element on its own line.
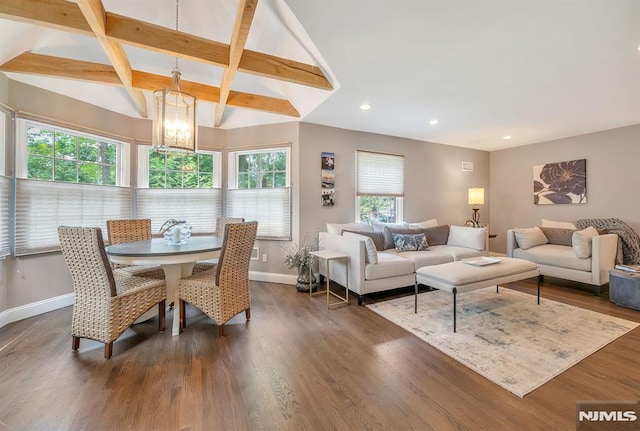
<point>300,257</point>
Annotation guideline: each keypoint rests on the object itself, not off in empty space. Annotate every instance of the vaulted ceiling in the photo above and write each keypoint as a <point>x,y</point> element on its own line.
<point>534,70</point>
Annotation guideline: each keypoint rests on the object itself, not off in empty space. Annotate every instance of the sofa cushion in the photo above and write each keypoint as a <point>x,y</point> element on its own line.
<point>557,224</point>
<point>422,258</point>
<point>337,228</point>
<point>471,237</point>
<point>410,242</point>
<point>377,237</point>
<point>370,252</point>
<point>379,227</point>
<point>530,237</point>
<point>390,230</point>
<point>559,256</point>
<point>581,241</point>
<point>558,236</point>
<point>437,235</point>
<point>424,224</point>
<point>389,265</point>
<point>455,252</point>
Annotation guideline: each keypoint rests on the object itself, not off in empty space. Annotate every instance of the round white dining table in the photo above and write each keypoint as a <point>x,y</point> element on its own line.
<point>177,261</point>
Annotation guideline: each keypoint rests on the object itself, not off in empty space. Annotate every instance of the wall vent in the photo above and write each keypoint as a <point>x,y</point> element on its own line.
<point>467,166</point>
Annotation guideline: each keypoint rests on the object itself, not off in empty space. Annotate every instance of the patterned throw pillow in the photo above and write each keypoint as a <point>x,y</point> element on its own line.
<point>404,242</point>
<point>390,231</point>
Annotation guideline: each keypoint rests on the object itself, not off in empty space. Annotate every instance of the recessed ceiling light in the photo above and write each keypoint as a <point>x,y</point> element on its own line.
<point>433,122</point>
<point>506,137</point>
<point>365,106</point>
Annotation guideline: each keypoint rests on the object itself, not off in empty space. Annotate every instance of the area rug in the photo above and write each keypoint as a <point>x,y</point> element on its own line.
<point>506,336</point>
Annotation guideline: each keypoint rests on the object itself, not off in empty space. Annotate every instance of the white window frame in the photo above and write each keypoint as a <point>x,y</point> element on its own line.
<point>373,178</point>
<point>269,206</point>
<point>199,207</point>
<point>43,205</point>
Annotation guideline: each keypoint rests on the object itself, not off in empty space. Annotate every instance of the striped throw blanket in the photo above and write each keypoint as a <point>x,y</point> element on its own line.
<point>628,239</point>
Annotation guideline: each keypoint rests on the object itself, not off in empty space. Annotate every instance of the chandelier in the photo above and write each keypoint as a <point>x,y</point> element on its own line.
<point>174,121</point>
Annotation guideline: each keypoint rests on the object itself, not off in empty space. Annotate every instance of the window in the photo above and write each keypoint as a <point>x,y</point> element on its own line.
<point>379,187</point>
<point>66,177</point>
<point>259,190</point>
<point>179,186</point>
<point>4,191</point>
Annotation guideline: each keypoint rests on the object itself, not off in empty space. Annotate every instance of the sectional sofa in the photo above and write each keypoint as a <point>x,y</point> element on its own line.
<point>377,263</point>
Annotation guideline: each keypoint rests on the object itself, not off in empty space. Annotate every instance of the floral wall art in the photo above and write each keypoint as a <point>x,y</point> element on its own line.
<point>560,183</point>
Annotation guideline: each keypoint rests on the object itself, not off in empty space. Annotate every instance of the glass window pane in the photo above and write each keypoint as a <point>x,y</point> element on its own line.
<point>206,163</point>
<point>174,162</point>
<point>65,146</point>
<point>174,180</point>
<point>39,141</point>
<point>87,150</point>
<point>190,180</point>
<point>156,160</point>
<point>280,162</point>
<point>378,209</point>
<point>280,179</point>
<point>266,160</point>
<point>267,180</point>
<point>40,168</point>
<point>206,181</point>
<point>88,173</point>
<point>108,153</point>
<point>110,175</point>
<point>65,170</point>
<point>156,179</point>
<point>190,163</point>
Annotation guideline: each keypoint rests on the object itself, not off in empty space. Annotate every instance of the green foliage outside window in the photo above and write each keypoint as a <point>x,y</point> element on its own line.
<point>262,170</point>
<point>53,155</point>
<point>378,209</point>
<point>178,171</point>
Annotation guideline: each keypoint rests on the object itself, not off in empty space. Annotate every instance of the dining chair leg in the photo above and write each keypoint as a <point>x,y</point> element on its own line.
<point>247,313</point>
<point>162,315</point>
<point>183,315</point>
<point>108,350</point>
<point>221,330</point>
<point>75,343</point>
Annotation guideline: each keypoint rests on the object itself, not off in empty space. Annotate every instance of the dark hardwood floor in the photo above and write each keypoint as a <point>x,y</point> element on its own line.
<point>294,366</point>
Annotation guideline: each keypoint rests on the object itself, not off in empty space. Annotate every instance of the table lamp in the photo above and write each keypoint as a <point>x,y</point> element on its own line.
<point>476,197</point>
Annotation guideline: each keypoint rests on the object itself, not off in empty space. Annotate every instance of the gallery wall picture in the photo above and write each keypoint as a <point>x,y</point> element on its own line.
<point>560,183</point>
<point>328,179</point>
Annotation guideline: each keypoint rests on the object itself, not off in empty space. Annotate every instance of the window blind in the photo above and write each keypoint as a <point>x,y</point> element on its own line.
<point>270,207</point>
<point>4,216</point>
<point>42,206</point>
<point>379,174</point>
<point>199,207</point>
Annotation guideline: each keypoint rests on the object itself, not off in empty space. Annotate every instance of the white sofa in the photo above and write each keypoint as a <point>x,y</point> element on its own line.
<point>558,258</point>
<point>392,269</point>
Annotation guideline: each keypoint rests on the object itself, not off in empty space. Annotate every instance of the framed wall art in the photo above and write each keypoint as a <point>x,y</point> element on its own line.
<point>328,179</point>
<point>560,183</point>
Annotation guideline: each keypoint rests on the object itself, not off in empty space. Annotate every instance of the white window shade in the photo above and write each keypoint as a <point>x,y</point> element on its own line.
<point>270,207</point>
<point>4,216</point>
<point>379,174</point>
<point>199,207</point>
<point>42,206</point>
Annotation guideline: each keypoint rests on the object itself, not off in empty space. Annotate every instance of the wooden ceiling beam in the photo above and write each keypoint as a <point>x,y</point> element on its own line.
<point>46,65</point>
<point>65,15</point>
<point>241,27</point>
<point>94,12</point>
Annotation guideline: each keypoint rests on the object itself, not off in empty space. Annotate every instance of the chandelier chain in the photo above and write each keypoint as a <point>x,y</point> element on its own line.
<point>177,14</point>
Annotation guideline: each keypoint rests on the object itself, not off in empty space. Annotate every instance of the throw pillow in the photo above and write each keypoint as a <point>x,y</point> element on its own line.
<point>379,227</point>
<point>437,235</point>
<point>337,228</point>
<point>424,224</point>
<point>557,224</point>
<point>377,237</point>
<point>558,236</point>
<point>581,241</point>
<point>406,242</point>
<point>370,252</point>
<point>530,237</point>
<point>389,231</point>
<point>470,237</point>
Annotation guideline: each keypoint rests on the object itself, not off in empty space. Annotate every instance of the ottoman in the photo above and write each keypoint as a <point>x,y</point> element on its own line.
<point>461,276</point>
<point>624,288</point>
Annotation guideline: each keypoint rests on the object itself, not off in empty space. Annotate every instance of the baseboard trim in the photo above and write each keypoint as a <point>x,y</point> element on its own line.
<point>272,277</point>
<point>35,308</point>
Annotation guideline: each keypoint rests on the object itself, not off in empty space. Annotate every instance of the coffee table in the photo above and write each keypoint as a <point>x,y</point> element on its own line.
<point>463,276</point>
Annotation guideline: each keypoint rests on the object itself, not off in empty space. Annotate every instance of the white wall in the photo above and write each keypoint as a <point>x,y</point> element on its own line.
<point>613,181</point>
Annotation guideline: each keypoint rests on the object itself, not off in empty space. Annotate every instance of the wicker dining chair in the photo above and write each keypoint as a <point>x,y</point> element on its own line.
<point>223,292</point>
<point>221,222</point>
<point>129,230</point>
<point>106,303</point>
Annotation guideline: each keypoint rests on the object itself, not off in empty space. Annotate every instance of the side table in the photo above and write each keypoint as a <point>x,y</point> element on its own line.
<point>328,256</point>
<point>624,288</point>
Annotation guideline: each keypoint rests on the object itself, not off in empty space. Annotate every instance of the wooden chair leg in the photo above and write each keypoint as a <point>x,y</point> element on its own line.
<point>221,330</point>
<point>247,313</point>
<point>162,315</point>
<point>183,315</point>
<point>75,343</point>
<point>108,350</point>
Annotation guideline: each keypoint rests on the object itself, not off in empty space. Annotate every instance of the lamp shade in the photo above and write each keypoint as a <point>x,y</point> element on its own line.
<point>476,196</point>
